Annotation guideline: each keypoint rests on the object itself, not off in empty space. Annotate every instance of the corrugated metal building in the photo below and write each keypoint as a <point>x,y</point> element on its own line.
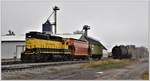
<point>12,46</point>
<point>97,48</point>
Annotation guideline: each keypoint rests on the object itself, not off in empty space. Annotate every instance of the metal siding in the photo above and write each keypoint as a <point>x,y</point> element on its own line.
<point>46,28</point>
<point>15,38</point>
<point>9,49</point>
<point>96,49</point>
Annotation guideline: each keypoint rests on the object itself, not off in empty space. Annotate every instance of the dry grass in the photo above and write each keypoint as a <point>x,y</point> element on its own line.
<point>106,64</point>
<point>145,75</point>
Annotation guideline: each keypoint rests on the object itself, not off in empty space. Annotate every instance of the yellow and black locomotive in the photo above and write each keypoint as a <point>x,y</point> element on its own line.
<point>40,46</point>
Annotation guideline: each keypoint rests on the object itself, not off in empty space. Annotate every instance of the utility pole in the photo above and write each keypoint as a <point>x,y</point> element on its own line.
<point>55,17</point>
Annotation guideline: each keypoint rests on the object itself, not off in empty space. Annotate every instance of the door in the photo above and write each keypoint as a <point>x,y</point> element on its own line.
<point>19,49</point>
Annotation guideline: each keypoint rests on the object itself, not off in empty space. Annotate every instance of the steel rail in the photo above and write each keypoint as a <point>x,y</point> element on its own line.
<point>20,67</point>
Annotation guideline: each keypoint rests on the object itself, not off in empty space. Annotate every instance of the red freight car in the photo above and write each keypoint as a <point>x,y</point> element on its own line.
<point>78,48</point>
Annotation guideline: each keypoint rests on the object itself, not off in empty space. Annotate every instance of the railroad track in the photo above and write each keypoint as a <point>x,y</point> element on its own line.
<point>21,67</point>
<point>11,62</point>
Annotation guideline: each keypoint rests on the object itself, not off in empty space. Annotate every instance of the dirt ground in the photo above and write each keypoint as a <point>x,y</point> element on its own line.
<point>75,72</point>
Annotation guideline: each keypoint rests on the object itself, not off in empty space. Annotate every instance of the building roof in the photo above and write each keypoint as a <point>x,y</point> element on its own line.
<point>94,41</point>
<point>75,36</point>
<point>13,38</point>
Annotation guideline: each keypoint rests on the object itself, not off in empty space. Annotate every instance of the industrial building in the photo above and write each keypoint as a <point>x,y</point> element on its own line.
<point>96,47</point>
<point>12,46</point>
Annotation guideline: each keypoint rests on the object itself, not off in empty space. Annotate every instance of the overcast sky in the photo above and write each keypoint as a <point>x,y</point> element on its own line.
<point>113,22</point>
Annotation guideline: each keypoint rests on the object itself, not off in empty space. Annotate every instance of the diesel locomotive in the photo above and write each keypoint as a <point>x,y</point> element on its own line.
<point>43,47</point>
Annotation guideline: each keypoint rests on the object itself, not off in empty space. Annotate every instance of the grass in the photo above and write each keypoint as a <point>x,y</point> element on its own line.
<point>106,64</point>
<point>145,75</point>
